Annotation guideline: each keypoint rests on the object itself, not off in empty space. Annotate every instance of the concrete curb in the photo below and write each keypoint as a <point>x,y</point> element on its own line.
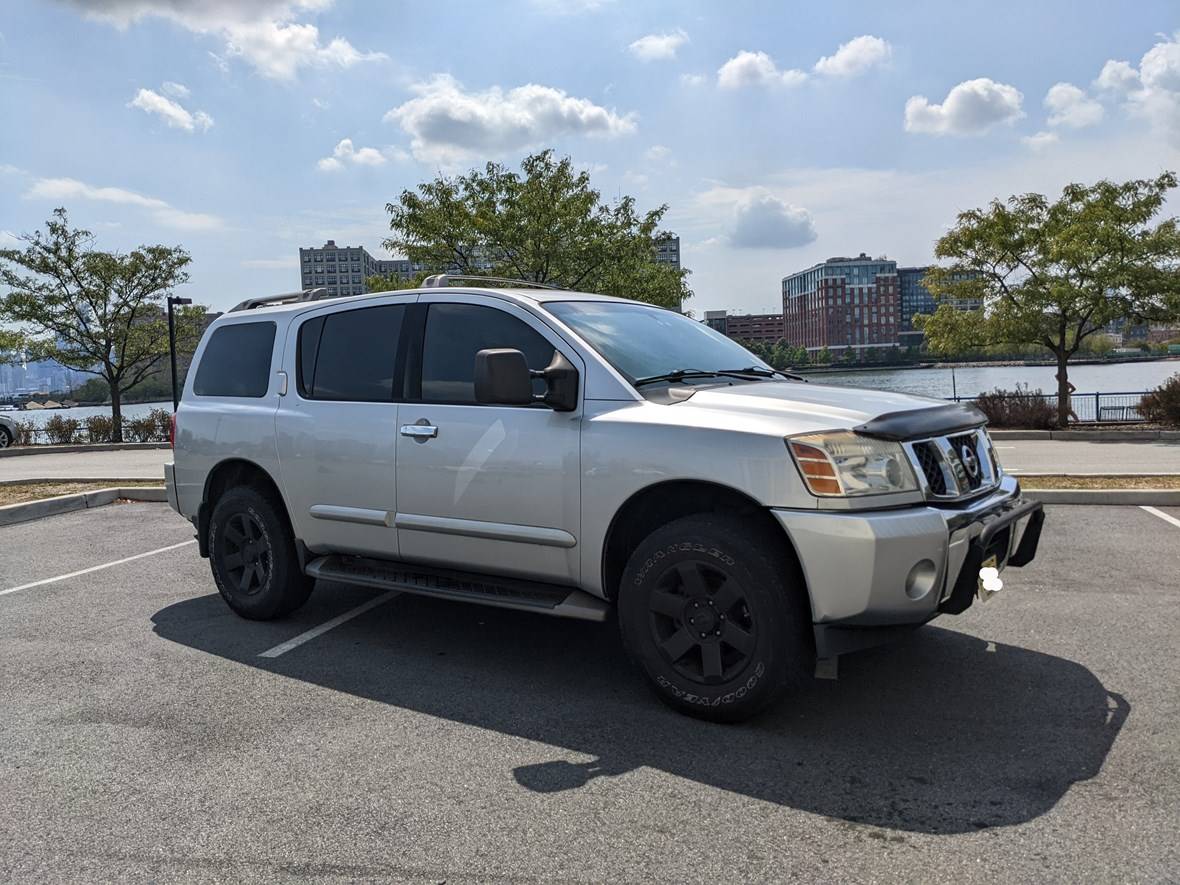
<point>14,513</point>
<point>1089,435</point>
<point>1120,497</point>
<point>113,481</point>
<point>15,451</point>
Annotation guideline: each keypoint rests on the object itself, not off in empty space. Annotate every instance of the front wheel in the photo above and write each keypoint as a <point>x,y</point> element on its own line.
<point>252,554</point>
<point>714,611</point>
<point>6,438</point>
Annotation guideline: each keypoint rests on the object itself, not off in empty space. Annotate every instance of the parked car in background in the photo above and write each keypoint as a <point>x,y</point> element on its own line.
<point>8,434</point>
<point>579,455</point>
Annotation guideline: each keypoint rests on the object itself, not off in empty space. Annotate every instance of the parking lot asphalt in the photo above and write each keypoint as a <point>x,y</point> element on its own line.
<point>144,736</point>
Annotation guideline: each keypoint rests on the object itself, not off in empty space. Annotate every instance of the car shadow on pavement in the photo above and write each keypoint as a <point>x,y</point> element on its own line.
<point>940,733</point>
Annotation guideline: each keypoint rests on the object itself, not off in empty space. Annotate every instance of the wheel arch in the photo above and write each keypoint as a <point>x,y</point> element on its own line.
<point>226,475</point>
<point>655,505</point>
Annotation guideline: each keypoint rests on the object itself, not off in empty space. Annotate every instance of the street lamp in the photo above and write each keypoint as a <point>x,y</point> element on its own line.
<point>172,303</point>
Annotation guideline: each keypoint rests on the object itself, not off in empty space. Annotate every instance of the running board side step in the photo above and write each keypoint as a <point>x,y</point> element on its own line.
<point>533,596</point>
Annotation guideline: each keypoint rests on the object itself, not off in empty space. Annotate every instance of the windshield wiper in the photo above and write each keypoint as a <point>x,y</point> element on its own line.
<point>677,375</point>
<point>759,372</point>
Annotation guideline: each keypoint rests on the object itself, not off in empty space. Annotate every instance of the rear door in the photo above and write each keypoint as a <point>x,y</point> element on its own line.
<point>485,487</point>
<point>337,426</point>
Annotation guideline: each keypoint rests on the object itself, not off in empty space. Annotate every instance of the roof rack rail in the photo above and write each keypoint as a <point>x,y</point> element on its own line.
<point>286,298</point>
<point>439,280</point>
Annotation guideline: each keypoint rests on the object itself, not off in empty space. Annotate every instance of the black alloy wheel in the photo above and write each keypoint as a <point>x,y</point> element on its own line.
<point>701,622</point>
<point>248,562</point>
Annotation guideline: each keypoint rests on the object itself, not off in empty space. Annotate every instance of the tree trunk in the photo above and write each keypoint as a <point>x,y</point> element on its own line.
<point>116,413</point>
<point>1064,406</point>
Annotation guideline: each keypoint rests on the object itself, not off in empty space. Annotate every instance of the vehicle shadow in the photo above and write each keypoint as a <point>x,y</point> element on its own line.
<point>940,733</point>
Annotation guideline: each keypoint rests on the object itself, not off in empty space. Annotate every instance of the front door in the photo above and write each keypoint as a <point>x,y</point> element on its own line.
<point>484,487</point>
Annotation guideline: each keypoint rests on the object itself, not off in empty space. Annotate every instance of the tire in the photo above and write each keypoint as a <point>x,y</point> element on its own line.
<point>6,438</point>
<point>734,582</point>
<point>252,555</point>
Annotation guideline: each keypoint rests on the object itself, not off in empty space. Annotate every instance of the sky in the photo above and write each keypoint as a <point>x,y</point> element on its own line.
<point>777,133</point>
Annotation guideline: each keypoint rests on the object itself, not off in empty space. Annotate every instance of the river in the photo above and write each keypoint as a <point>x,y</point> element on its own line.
<point>1100,378</point>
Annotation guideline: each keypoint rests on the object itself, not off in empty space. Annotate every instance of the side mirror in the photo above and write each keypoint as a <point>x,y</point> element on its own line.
<point>502,377</point>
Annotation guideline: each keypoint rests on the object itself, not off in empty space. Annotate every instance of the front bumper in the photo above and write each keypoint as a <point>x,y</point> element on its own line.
<point>893,568</point>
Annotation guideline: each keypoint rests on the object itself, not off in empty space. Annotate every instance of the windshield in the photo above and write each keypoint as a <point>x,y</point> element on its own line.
<point>647,342</point>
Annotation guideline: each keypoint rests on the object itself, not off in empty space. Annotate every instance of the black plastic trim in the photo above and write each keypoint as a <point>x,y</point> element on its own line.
<point>920,423</point>
<point>838,638</point>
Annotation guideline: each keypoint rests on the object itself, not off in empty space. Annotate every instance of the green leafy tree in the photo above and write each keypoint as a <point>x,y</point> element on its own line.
<point>96,312</point>
<point>545,224</point>
<point>1055,272</point>
<point>393,283</point>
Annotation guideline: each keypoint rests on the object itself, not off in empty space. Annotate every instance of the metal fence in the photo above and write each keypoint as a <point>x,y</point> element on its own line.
<point>1120,407</point>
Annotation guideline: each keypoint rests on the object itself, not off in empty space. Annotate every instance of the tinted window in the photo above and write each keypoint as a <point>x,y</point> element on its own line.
<point>350,355</point>
<point>236,361</point>
<point>456,332</point>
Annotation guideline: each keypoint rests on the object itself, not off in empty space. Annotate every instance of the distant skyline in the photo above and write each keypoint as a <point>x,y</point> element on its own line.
<point>779,134</point>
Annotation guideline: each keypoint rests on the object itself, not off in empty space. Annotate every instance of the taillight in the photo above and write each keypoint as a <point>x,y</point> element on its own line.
<point>172,432</point>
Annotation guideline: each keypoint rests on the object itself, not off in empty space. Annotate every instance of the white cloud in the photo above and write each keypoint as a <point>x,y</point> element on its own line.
<point>176,90</point>
<point>766,222</point>
<point>170,111</point>
<point>287,261</point>
<point>971,108</point>
<point>855,57</point>
<point>345,153</point>
<point>447,123</point>
<point>9,240</point>
<point>71,189</point>
<point>569,7</point>
<point>262,32</point>
<point>657,153</point>
<point>755,69</point>
<point>658,47</point>
<point>1041,140</point>
<point>693,79</point>
<point>1117,77</point>
<point>1070,106</point>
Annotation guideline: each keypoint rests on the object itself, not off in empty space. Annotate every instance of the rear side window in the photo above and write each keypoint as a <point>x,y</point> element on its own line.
<point>455,333</point>
<point>236,361</point>
<point>350,355</point>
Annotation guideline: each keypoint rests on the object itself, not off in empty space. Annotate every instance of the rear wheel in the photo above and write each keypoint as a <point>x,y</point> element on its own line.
<point>6,438</point>
<point>252,554</point>
<point>714,612</point>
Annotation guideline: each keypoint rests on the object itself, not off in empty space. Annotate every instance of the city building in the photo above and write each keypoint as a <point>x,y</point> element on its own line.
<point>343,270</point>
<point>668,250</point>
<point>842,304</point>
<point>765,328</point>
<point>915,298</point>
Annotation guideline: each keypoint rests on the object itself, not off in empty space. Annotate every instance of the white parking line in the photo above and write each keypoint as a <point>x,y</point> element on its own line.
<point>1164,516</point>
<point>97,568</point>
<point>283,647</point>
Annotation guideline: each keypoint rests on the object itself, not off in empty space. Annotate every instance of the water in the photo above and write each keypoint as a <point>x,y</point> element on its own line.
<point>1107,378</point>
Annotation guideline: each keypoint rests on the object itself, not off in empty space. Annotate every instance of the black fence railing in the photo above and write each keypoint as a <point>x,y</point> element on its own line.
<point>1090,408</point>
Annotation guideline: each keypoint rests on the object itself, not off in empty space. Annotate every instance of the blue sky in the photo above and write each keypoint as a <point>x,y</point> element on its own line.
<point>777,133</point>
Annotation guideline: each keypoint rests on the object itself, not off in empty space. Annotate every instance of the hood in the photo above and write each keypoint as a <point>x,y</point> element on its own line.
<point>792,407</point>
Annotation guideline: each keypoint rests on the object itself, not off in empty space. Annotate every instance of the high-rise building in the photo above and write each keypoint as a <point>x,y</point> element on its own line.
<point>765,328</point>
<point>668,250</point>
<point>343,270</point>
<point>842,303</point>
<point>916,298</point>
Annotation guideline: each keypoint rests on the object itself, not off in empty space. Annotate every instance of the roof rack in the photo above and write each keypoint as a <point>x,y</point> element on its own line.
<point>439,280</point>
<point>286,298</point>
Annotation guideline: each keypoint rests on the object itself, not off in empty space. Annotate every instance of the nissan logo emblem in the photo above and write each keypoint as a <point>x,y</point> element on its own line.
<point>970,462</point>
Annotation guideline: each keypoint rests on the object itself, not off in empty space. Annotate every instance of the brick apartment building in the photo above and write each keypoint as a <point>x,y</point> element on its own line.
<point>843,303</point>
<point>765,328</point>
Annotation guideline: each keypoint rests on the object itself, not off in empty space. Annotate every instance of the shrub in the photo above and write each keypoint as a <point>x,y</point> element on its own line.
<point>62,430</point>
<point>163,421</point>
<point>26,433</point>
<point>1162,405</point>
<point>1024,408</point>
<point>100,428</point>
<point>139,429</point>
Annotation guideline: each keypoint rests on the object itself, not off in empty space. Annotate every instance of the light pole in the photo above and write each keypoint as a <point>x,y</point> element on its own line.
<point>172,303</point>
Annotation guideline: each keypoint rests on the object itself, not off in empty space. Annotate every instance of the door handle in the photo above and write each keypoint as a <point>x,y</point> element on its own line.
<point>419,432</point>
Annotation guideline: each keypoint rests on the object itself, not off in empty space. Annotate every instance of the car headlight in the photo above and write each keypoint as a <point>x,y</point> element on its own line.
<point>842,463</point>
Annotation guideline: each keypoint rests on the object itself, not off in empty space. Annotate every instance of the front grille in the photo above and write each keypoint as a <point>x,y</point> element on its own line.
<point>954,467</point>
<point>931,465</point>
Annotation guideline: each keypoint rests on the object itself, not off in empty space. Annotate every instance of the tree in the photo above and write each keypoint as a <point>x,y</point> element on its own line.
<point>97,312</point>
<point>1053,273</point>
<point>392,283</point>
<point>545,224</point>
<point>824,356</point>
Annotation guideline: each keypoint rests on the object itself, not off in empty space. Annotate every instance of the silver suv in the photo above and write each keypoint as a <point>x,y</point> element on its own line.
<point>570,454</point>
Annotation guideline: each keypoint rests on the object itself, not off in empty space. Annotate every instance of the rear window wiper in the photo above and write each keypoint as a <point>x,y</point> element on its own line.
<point>759,372</point>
